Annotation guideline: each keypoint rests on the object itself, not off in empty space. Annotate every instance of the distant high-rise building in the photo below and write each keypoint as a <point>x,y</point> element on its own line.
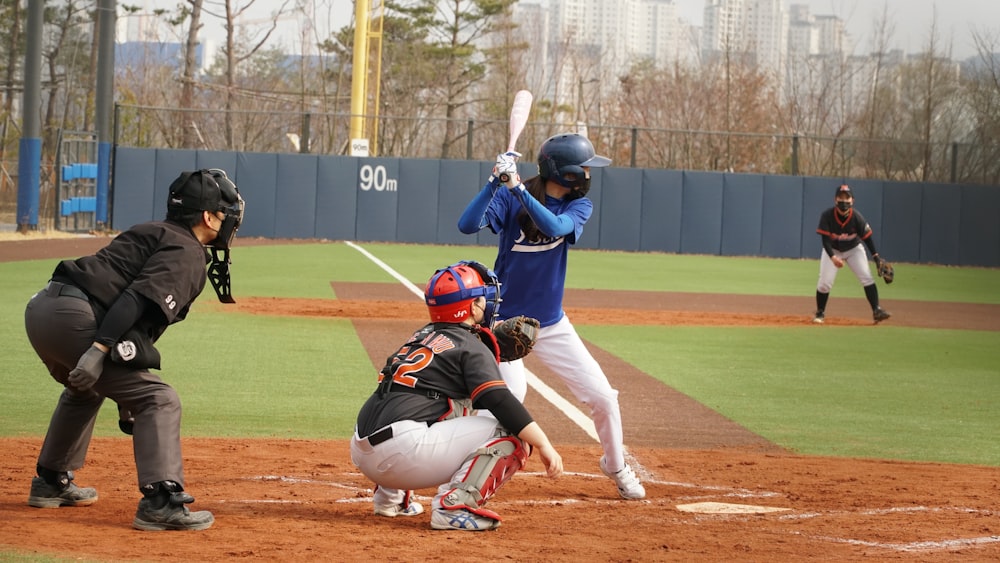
<point>143,36</point>
<point>756,30</point>
<point>533,27</point>
<point>831,35</point>
<point>653,30</point>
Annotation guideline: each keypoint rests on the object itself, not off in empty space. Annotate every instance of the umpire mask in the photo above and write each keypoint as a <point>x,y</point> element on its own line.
<point>231,203</point>
<point>210,190</point>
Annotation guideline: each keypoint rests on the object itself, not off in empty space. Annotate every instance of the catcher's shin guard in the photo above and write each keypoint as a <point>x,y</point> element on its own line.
<point>491,466</point>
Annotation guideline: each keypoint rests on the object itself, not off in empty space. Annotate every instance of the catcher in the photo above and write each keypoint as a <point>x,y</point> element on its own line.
<point>417,429</point>
<point>843,229</point>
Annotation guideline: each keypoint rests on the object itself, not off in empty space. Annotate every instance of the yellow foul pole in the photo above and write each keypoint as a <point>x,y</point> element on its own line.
<point>359,78</point>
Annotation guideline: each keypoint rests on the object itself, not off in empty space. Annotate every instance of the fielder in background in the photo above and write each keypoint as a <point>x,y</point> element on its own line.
<point>94,327</point>
<point>417,430</point>
<point>537,222</point>
<point>843,229</point>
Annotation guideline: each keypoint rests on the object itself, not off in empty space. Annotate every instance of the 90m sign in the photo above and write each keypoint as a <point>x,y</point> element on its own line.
<point>375,178</point>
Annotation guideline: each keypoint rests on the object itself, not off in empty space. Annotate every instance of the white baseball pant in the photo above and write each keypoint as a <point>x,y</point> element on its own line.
<point>420,456</point>
<point>560,348</point>
<point>855,258</point>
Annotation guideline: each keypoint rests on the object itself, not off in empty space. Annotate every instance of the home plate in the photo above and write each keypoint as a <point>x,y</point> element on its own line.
<point>727,508</point>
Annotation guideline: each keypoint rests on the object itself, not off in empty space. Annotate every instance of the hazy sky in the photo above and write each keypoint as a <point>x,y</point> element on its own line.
<point>912,19</point>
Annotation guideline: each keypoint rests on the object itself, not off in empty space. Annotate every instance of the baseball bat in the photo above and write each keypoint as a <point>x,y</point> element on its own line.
<point>518,119</point>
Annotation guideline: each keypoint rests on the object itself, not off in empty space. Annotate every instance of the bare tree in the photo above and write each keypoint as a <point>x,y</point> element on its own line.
<point>235,54</point>
<point>981,150</point>
<point>188,73</point>
<point>927,85</point>
<point>876,156</point>
<point>62,57</point>
<point>455,30</point>
<point>12,46</point>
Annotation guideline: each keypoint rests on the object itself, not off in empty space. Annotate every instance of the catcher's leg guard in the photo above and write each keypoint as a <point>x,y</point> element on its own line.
<point>491,466</point>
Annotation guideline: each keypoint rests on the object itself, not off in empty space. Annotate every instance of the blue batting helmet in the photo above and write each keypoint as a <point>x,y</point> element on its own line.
<point>568,153</point>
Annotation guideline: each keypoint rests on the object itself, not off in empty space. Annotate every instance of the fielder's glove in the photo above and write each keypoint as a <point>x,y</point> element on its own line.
<point>515,337</point>
<point>885,269</point>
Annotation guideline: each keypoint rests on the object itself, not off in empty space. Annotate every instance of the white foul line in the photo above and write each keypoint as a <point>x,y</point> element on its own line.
<point>548,393</point>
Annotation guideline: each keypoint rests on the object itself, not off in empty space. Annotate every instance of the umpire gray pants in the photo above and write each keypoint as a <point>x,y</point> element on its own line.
<point>61,328</point>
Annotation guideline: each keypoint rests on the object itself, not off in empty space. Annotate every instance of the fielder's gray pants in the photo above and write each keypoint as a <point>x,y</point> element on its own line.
<point>61,328</point>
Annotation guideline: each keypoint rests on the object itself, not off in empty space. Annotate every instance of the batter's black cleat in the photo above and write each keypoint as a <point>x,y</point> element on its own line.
<point>880,314</point>
<point>819,318</point>
<point>163,508</point>
<point>47,495</point>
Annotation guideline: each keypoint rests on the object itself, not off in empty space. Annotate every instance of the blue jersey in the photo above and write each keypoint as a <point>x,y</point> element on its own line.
<point>533,274</point>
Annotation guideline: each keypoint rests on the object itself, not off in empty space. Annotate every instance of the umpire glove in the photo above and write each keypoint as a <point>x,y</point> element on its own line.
<point>88,369</point>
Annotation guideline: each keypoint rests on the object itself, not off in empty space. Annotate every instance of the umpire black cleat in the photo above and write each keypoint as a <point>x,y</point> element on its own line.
<point>163,508</point>
<point>47,495</point>
<point>880,314</point>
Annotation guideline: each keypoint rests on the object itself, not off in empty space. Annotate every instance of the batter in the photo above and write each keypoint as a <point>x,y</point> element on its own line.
<point>537,222</point>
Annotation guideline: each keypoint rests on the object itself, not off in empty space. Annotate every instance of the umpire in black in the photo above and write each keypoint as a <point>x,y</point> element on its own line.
<point>94,327</point>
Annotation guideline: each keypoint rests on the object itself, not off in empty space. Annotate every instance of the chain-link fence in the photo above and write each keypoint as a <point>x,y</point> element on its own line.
<point>642,147</point>
<point>285,131</point>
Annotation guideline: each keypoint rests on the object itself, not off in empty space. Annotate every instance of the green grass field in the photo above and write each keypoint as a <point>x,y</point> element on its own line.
<point>895,392</point>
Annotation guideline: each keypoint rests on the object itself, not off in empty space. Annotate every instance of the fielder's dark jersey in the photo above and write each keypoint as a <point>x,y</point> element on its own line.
<point>161,260</point>
<point>844,233</point>
<point>441,361</point>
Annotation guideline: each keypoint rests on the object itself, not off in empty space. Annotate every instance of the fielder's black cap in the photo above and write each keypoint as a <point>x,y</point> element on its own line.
<point>844,189</point>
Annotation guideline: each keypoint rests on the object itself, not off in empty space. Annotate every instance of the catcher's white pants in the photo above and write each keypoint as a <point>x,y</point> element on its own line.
<point>856,259</point>
<point>560,348</point>
<point>420,456</point>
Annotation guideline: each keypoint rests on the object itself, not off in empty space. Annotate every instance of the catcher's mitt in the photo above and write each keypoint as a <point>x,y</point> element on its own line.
<point>885,269</point>
<point>515,337</point>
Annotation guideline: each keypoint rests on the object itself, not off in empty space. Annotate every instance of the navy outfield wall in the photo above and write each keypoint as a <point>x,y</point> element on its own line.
<point>647,210</point>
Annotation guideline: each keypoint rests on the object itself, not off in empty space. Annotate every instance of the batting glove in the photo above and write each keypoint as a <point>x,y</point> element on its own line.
<point>506,166</point>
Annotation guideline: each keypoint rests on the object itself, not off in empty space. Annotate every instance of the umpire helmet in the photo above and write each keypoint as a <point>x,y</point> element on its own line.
<point>450,292</point>
<point>569,153</point>
<point>208,190</point>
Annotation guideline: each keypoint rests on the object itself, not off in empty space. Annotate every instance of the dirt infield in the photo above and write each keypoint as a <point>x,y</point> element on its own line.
<point>304,500</point>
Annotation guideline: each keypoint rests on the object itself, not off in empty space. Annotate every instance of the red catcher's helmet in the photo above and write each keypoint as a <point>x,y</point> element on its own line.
<point>450,292</point>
